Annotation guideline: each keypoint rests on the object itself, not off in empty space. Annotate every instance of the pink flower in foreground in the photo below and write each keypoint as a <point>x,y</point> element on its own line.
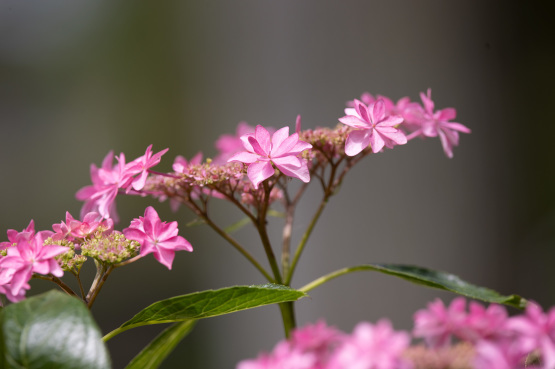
<point>372,128</point>
<point>437,323</point>
<point>27,257</point>
<point>157,237</point>
<point>537,331</point>
<point>372,347</point>
<point>279,149</point>
<point>436,123</point>
<point>284,356</point>
<point>13,234</point>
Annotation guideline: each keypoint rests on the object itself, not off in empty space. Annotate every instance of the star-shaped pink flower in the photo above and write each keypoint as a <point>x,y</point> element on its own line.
<point>372,128</point>
<point>280,149</point>
<point>157,237</point>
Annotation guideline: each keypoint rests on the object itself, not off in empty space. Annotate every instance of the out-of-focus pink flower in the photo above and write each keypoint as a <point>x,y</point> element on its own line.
<point>280,149</point>
<point>537,331</point>
<point>29,256</point>
<point>372,128</point>
<point>107,180</point>
<point>157,237</point>
<point>284,356</point>
<point>228,145</point>
<point>430,123</point>
<point>499,355</point>
<point>484,323</point>
<point>372,347</point>
<point>437,323</point>
<point>141,165</point>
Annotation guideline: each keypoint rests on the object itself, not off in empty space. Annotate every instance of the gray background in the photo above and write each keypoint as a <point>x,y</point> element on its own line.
<point>80,78</point>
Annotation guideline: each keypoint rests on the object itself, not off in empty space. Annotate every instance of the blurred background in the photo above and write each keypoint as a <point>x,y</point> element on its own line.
<point>80,78</point>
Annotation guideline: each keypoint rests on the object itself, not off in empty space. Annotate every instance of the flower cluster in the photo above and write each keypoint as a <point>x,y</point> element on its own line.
<point>370,346</point>
<point>47,254</point>
<point>487,338</point>
<point>257,155</point>
<point>380,121</point>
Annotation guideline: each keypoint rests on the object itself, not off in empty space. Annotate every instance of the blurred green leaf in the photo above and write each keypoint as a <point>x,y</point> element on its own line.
<point>52,330</point>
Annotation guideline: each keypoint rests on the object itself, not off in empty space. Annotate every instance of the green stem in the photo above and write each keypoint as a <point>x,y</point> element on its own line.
<point>288,316</point>
<point>261,226</point>
<point>239,248</point>
<point>98,283</point>
<point>304,240</point>
<point>328,277</point>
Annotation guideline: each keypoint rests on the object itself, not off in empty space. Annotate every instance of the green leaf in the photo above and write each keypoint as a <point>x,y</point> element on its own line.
<point>209,303</point>
<point>152,355</point>
<point>429,278</point>
<point>52,330</point>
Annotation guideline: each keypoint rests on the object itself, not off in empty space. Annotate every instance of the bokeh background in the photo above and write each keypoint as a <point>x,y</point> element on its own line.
<point>80,78</point>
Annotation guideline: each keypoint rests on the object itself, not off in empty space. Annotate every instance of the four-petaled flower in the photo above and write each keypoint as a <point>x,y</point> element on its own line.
<point>157,237</point>
<point>263,149</point>
<point>372,127</point>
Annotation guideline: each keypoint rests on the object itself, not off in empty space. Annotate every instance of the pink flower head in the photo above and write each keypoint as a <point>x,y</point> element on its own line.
<point>499,355</point>
<point>372,347</point>
<point>141,165</point>
<point>537,331</point>
<point>284,356</point>
<point>29,256</point>
<point>157,237</point>
<point>437,323</point>
<point>484,323</point>
<point>372,128</point>
<point>279,149</point>
<point>436,123</point>
<point>107,180</point>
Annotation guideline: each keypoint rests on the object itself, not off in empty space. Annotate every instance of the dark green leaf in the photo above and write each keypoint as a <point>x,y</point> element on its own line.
<point>152,355</point>
<point>209,303</point>
<point>430,278</point>
<point>52,330</point>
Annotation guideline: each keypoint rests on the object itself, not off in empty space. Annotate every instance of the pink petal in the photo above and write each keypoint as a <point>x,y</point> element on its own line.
<point>354,121</point>
<point>278,137</point>
<point>263,138</point>
<point>377,111</point>
<point>357,141</point>
<point>258,148</point>
<point>165,257</point>
<point>244,157</point>
<point>301,172</point>
<point>285,146</point>
<point>258,172</point>
<point>377,142</point>
<point>362,111</point>
<point>290,161</point>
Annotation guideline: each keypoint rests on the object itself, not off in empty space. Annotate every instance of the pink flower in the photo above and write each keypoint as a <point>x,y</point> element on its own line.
<point>372,128</point>
<point>482,323</point>
<point>141,165</point>
<point>436,123</point>
<point>181,165</point>
<point>372,347</point>
<point>107,180</point>
<point>284,356</point>
<point>157,237</point>
<point>499,355</point>
<point>537,331</point>
<point>438,323</point>
<point>27,257</point>
<point>279,149</point>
